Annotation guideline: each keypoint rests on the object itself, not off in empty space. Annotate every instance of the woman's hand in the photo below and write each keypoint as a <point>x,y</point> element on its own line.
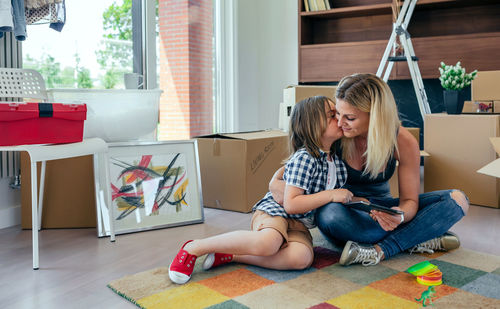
<point>387,221</point>
<point>341,195</point>
<point>277,186</point>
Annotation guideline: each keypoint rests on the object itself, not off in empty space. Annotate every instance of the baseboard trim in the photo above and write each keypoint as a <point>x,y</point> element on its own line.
<point>10,216</point>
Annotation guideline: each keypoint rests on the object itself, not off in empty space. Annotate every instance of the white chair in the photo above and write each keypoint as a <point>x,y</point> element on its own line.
<point>25,83</point>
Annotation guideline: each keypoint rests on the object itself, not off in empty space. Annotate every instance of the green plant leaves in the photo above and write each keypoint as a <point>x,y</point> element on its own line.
<point>453,77</point>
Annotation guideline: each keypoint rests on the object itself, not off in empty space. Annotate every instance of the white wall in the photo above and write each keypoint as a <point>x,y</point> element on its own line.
<point>267,60</point>
<point>10,204</point>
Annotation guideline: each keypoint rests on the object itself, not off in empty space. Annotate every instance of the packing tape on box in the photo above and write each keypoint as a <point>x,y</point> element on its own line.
<point>216,147</point>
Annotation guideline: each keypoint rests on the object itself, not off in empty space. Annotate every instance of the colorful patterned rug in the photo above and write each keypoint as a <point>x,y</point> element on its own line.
<point>470,280</point>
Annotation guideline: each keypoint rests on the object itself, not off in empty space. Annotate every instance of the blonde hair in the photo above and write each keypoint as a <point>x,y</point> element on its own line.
<point>308,121</point>
<point>369,93</point>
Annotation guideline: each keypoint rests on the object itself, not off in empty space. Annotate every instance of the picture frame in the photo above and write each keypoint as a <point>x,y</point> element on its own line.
<point>153,185</point>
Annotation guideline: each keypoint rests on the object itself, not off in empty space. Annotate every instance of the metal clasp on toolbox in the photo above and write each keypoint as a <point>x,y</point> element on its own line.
<point>15,105</point>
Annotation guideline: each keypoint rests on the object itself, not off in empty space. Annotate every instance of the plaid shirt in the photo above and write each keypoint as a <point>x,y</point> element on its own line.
<point>308,173</point>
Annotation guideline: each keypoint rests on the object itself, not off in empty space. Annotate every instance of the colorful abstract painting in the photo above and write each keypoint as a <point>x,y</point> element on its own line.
<point>153,186</point>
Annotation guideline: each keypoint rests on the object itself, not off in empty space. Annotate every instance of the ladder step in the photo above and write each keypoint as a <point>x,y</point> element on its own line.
<point>401,58</point>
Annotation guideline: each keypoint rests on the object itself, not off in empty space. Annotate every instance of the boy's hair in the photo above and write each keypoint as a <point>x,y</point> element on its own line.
<point>369,93</point>
<point>307,124</point>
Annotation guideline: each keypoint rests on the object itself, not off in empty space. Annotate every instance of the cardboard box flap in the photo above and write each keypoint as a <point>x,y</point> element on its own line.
<point>246,135</point>
<point>217,135</point>
<point>257,135</point>
<point>495,141</point>
<point>491,169</point>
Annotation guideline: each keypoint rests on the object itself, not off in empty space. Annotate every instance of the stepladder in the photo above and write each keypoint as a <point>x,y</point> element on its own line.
<point>392,54</point>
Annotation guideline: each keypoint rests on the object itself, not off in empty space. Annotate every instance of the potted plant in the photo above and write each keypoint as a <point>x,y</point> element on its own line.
<point>454,79</point>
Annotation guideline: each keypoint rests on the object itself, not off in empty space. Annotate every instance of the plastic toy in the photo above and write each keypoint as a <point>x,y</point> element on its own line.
<point>421,268</point>
<point>427,296</point>
<point>432,278</point>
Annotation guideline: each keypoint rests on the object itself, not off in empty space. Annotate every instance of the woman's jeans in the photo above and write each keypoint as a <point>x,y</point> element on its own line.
<point>437,212</point>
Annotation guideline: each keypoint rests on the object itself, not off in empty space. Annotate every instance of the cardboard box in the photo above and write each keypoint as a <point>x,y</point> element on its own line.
<point>41,123</point>
<point>459,145</point>
<point>486,86</point>
<point>493,168</point>
<point>294,94</point>
<point>393,181</point>
<point>478,107</point>
<point>469,108</point>
<point>416,133</point>
<point>496,107</point>
<point>284,117</point>
<point>236,168</point>
<point>69,195</point>
<point>484,107</point>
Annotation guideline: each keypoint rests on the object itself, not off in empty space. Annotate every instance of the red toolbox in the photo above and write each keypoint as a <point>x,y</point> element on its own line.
<point>41,123</point>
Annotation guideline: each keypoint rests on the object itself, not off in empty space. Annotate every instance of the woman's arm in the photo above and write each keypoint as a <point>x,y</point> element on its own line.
<point>409,181</point>
<point>408,173</point>
<point>277,186</point>
<point>296,202</point>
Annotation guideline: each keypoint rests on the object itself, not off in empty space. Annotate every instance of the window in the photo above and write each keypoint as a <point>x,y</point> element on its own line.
<point>93,50</point>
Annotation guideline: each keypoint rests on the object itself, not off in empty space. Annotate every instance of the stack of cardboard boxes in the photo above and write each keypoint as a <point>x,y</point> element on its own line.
<point>460,145</point>
<point>485,96</point>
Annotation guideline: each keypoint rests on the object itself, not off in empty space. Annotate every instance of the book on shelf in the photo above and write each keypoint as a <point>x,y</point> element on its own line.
<point>306,5</point>
<point>321,5</point>
<point>327,4</point>
<point>312,5</point>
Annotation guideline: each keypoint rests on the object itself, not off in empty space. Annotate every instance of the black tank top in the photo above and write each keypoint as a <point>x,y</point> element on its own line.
<point>363,186</point>
<point>356,177</point>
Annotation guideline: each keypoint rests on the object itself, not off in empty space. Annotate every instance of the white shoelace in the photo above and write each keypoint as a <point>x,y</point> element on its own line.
<point>368,257</point>
<point>428,246</point>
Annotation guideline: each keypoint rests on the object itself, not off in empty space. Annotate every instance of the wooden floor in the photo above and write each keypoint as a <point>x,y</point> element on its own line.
<point>75,265</point>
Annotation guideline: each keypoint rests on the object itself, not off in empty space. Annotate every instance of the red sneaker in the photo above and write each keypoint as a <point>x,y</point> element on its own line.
<point>216,259</point>
<point>182,266</point>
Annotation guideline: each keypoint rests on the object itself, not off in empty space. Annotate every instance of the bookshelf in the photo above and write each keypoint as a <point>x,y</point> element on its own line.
<point>352,35</point>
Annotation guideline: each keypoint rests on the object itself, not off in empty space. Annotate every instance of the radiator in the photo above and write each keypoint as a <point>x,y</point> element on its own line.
<point>9,164</point>
<point>10,57</point>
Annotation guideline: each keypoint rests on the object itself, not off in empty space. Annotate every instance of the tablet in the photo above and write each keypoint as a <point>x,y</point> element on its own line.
<point>367,206</point>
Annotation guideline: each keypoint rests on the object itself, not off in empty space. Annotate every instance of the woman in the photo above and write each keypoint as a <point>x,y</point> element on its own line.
<point>373,142</point>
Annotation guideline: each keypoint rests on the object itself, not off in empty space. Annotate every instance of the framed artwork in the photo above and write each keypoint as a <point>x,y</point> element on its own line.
<point>154,185</point>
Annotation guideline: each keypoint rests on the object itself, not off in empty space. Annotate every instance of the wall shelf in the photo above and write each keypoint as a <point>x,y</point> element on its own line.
<point>352,36</point>
<point>351,11</point>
